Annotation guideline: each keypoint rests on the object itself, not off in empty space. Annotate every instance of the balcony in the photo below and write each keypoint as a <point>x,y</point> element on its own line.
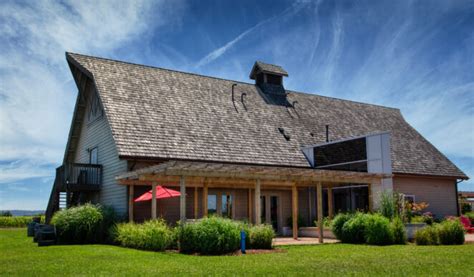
<point>79,177</point>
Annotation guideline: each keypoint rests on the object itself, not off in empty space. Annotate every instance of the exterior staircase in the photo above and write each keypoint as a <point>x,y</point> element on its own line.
<point>72,184</point>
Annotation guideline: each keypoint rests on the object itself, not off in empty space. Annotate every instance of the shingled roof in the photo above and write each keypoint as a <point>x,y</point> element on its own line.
<point>165,114</point>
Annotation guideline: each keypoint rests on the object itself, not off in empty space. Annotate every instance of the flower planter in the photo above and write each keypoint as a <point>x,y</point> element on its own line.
<point>411,228</point>
<point>287,231</point>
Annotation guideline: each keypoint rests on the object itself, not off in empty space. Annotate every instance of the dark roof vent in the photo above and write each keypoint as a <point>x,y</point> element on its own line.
<point>285,135</point>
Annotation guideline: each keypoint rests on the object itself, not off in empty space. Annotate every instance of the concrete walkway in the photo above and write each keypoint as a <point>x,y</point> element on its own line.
<point>469,239</point>
<point>300,241</point>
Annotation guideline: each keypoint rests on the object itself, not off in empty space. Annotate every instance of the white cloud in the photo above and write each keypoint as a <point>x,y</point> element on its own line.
<point>37,93</point>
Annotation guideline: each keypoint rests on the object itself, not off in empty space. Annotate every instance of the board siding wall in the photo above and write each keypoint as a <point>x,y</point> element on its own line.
<point>440,194</point>
<point>98,134</point>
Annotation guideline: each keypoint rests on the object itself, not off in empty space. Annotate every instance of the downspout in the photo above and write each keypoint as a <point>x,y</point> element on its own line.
<point>457,197</point>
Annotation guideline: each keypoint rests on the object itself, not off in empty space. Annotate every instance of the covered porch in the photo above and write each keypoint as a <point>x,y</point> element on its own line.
<point>245,190</point>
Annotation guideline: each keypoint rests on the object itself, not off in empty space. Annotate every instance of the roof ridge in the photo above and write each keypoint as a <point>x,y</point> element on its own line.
<point>235,81</point>
<point>161,68</point>
<point>341,99</point>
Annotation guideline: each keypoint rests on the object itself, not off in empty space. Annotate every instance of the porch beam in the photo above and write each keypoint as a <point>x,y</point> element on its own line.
<point>319,189</point>
<point>153,200</point>
<point>256,202</point>
<point>182,199</point>
<point>294,203</point>
<point>131,192</point>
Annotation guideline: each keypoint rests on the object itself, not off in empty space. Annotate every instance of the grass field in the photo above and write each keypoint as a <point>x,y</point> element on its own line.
<point>19,256</point>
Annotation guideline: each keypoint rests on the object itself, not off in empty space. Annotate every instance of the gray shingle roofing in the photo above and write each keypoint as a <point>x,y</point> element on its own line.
<point>267,68</point>
<point>166,114</point>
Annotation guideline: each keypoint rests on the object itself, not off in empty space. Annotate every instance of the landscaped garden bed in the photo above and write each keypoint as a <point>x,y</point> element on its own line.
<point>20,257</point>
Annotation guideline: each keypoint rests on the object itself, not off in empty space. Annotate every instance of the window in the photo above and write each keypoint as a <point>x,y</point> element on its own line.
<point>211,204</point>
<point>95,109</point>
<point>93,156</point>
<point>226,205</point>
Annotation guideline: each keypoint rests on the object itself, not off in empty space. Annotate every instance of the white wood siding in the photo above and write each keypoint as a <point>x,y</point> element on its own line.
<point>98,134</point>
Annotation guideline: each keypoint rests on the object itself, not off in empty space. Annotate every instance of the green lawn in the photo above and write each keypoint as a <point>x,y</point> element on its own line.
<point>19,256</point>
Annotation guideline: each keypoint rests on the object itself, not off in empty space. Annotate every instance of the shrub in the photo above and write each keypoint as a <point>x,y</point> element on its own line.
<point>210,236</point>
<point>471,217</point>
<point>377,230</point>
<point>338,223</point>
<point>152,235</point>
<point>5,213</point>
<point>16,221</point>
<point>451,232</point>
<point>261,236</point>
<point>398,230</point>
<point>83,224</point>
<point>465,207</point>
<point>427,236</point>
<point>353,231</point>
<point>326,222</point>
<point>387,204</point>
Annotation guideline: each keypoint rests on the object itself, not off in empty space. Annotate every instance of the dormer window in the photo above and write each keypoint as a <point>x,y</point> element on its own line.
<point>94,108</point>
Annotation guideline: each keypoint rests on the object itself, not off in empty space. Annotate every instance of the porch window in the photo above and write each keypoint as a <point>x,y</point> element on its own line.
<point>226,205</point>
<point>211,204</point>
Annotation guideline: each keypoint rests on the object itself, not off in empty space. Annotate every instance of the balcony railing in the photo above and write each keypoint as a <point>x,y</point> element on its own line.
<point>76,176</point>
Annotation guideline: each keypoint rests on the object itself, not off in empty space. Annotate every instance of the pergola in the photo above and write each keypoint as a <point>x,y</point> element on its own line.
<point>219,175</point>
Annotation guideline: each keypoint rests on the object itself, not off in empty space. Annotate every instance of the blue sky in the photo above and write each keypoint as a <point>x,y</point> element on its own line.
<point>417,56</point>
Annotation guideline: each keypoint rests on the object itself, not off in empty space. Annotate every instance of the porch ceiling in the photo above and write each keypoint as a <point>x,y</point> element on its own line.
<point>220,174</point>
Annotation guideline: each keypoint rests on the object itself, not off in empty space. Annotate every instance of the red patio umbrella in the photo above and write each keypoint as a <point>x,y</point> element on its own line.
<point>161,192</point>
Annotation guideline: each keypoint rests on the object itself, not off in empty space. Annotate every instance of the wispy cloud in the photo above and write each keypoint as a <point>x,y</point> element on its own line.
<point>215,54</point>
<point>36,90</point>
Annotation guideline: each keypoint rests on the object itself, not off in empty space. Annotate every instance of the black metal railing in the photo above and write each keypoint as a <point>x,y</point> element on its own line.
<point>77,176</point>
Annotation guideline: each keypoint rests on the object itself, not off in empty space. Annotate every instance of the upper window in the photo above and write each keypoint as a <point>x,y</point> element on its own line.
<point>93,156</point>
<point>95,109</point>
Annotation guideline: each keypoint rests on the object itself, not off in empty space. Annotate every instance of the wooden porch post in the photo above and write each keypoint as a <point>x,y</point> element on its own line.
<point>195,203</point>
<point>130,202</point>
<point>249,208</point>
<point>294,203</point>
<point>153,200</point>
<point>330,203</point>
<point>320,211</point>
<point>204,199</point>
<point>182,199</point>
<point>256,202</point>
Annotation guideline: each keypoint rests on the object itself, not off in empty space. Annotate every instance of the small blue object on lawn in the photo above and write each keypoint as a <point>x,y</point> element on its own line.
<point>242,241</point>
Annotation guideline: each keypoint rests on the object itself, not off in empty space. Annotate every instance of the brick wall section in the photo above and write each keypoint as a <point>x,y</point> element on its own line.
<point>440,194</point>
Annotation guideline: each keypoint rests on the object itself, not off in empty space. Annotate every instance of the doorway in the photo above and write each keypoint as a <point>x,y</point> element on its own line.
<point>270,210</point>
